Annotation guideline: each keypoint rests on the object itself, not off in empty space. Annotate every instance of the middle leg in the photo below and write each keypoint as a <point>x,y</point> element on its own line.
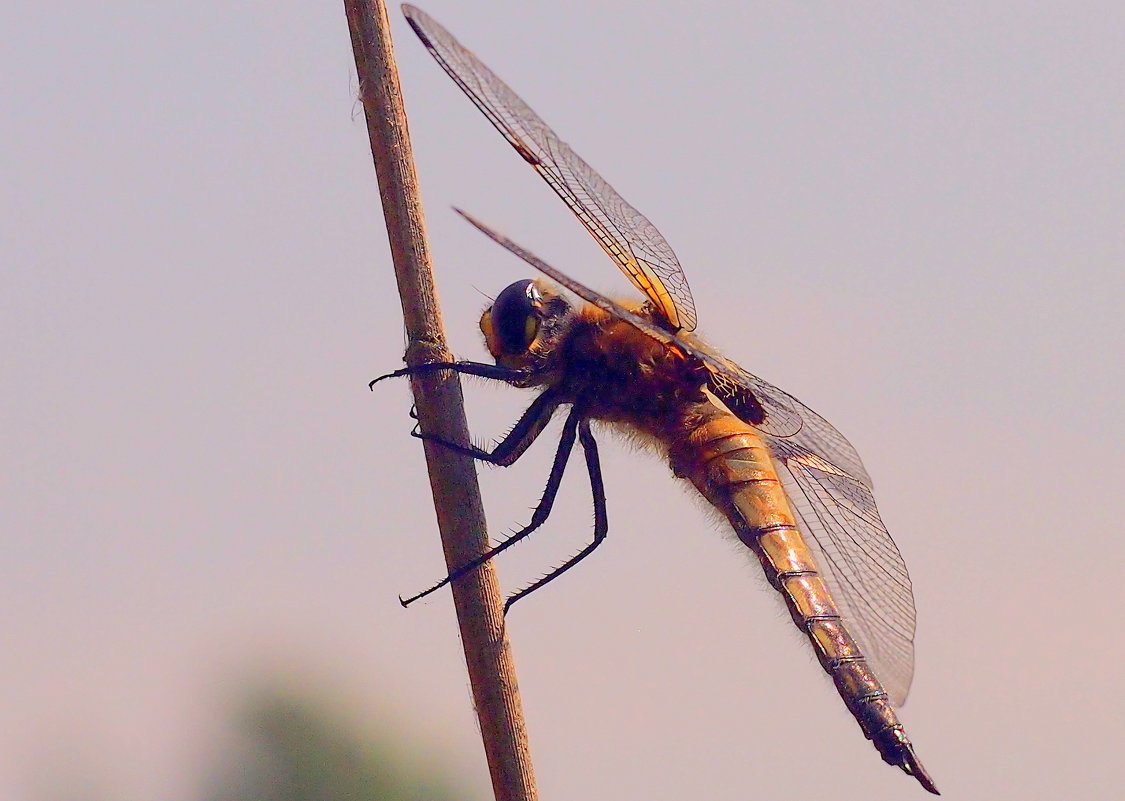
<point>538,517</point>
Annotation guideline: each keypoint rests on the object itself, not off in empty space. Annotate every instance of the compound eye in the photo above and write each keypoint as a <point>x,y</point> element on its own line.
<point>515,317</point>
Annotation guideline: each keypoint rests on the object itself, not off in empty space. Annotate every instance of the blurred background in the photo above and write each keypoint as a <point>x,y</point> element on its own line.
<point>909,215</point>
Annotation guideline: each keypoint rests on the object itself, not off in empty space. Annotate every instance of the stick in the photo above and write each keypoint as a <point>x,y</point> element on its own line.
<point>453,479</point>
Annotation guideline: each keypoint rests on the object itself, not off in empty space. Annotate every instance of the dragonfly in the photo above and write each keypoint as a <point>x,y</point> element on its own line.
<point>793,488</point>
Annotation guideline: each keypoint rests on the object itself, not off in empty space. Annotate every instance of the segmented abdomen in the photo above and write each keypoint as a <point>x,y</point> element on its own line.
<point>729,463</point>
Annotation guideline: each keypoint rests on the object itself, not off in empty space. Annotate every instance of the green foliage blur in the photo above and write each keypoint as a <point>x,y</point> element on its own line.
<point>290,747</point>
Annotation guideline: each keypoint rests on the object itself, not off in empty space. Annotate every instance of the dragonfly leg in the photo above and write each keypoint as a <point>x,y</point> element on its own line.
<point>493,372</point>
<point>601,519</point>
<point>526,430</point>
<point>538,517</point>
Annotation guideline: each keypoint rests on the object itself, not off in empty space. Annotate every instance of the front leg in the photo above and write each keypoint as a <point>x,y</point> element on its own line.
<point>519,439</point>
<point>494,372</point>
<point>526,430</point>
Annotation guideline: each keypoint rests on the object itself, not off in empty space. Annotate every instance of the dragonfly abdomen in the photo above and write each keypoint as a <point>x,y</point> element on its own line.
<point>730,464</point>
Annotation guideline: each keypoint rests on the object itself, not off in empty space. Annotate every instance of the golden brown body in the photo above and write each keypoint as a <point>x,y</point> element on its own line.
<point>614,363</point>
<point>619,375</point>
<point>729,464</point>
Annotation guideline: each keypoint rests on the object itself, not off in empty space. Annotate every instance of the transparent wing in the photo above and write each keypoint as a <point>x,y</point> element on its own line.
<point>622,231</point>
<point>830,491</point>
<point>857,558</point>
<point>826,482</point>
<point>785,417</point>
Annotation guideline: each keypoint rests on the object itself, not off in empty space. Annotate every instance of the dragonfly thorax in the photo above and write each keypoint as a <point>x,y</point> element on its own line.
<point>617,373</point>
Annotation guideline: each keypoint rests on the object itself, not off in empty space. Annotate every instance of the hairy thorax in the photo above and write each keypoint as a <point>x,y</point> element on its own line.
<point>622,376</point>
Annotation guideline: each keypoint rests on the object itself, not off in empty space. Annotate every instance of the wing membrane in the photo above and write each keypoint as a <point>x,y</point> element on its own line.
<point>623,232</point>
<point>827,485</point>
<point>785,417</point>
<point>857,558</point>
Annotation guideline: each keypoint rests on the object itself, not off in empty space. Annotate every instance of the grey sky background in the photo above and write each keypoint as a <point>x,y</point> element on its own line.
<point>910,215</point>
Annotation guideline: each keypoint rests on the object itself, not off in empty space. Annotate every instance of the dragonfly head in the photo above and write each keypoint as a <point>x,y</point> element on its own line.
<point>524,323</point>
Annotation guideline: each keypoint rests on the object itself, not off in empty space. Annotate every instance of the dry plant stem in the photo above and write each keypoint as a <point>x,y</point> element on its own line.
<point>453,477</point>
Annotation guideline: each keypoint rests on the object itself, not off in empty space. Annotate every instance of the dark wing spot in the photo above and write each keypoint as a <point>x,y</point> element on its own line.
<point>738,398</point>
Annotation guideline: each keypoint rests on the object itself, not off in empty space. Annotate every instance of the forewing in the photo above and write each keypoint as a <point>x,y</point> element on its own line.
<point>622,231</point>
<point>581,290</point>
<point>858,560</point>
<point>826,483</point>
